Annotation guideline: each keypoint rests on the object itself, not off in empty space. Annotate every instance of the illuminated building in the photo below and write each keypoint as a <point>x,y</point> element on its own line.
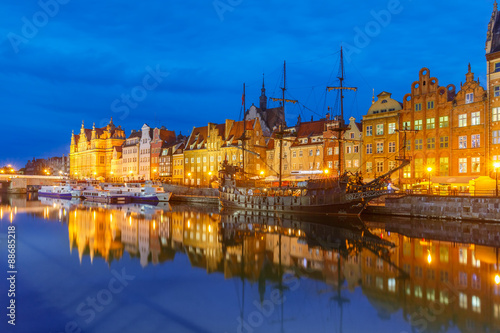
<point>92,149</point>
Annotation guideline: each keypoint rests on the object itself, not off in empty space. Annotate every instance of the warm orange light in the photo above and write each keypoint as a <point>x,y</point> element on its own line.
<point>429,169</point>
<point>2,171</point>
<point>496,165</point>
<point>189,174</point>
<point>326,171</point>
<point>130,172</point>
<point>429,258</point>
<point>112,172</point>
<point>210,173</point>
<point>154,170</point>
<point>11,170</point>
<point>262,173</point>
<point>497,279</point>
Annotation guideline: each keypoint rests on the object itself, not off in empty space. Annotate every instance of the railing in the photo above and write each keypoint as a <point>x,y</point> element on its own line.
<point>452,192</point>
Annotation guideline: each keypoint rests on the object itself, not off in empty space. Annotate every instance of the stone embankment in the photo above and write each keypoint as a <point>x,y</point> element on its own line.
<point>440,207</point>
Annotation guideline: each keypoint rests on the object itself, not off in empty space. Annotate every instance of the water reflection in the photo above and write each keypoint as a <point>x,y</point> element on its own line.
<point>439,274</point>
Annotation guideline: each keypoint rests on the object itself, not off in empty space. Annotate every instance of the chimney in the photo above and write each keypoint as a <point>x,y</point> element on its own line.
<point>328,116</point>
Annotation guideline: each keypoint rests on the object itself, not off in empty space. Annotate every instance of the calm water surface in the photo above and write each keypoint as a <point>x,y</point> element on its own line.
<point>87,267</point>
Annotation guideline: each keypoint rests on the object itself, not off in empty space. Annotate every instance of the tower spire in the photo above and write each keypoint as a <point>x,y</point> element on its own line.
<point>263,97</point>
<point>373,96</point>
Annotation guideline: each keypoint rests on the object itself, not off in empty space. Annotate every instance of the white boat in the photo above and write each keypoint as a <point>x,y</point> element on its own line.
<point>55,191</point>
<point>107,195</point>
<point>142,192</point>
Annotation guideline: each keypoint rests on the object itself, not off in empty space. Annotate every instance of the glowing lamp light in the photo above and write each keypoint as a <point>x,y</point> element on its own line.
<point>429,257</point>
<point>497,279</point>
<point>326,171</point>
<point>189,174</point>
<point>210,173</point>
<point>496,165</point>
<point>429,169</point>
<point>262,173</point>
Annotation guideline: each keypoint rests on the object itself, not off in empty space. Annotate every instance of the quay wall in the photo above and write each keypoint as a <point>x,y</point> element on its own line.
<point>441,207</point>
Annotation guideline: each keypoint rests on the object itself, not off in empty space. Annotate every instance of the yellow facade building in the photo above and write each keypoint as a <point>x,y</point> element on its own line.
<point>208,146</point>
<point>91,151</point>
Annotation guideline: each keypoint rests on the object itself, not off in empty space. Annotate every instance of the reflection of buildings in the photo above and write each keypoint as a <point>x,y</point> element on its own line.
<point>422,268</point>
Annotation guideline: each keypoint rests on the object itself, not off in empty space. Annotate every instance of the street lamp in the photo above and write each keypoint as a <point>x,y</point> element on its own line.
<point>326,171</point>
<point>496,165</point>
<point>429,169</point>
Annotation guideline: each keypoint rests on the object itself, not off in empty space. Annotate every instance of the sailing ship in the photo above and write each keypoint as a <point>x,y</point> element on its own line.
<point>345,194</point>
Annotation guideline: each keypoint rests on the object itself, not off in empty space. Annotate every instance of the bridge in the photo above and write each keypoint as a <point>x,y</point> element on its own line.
<point>12,183</point>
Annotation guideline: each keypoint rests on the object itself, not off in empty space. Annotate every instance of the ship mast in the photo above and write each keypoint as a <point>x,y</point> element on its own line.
<point>244,130</point>
<point>280,131</point>
<point>341,127</point>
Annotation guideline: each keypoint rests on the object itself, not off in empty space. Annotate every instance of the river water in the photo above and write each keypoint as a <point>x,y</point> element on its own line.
<point>88,267</point>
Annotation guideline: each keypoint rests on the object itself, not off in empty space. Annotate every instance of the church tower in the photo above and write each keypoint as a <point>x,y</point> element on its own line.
<point>263,97</point>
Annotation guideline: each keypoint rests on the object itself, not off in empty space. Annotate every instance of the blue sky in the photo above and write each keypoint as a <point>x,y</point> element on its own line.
<point>78,60</point>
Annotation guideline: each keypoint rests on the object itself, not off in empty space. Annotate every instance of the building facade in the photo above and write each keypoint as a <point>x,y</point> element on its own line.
<point>91,151</point>
<point>381,130</point>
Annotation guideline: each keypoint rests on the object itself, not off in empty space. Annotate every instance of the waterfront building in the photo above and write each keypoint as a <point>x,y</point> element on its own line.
<point>92,149</point>
<point>166,166</point>
<point>130,153</point>
<point>381,144</point>
<point>208,146</point>
<point>178,165</point>
<point>306,150</point>
<point>493,91</point>
<point>353,139</point>
<point>144,172</point>
<point>161,138</point>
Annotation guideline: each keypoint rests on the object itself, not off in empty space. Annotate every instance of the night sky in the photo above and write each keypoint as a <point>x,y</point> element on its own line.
<point>82,59</point>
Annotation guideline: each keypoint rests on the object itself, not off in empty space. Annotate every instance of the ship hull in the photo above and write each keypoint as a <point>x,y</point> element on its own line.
<point>352,208</point>
<point>55,195</point>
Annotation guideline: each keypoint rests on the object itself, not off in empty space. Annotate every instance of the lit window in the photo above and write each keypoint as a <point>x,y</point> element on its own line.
<point>462,120</point>
<point>463,300</point>
<point>380,167</point>
<point>406,125</point>
<point>380,129</point>
<point>476,304</point>
<point>431,123</point>
<point>418,125</point>
<point>369,167</point>
<point>330,151</point>
<point>392,128</point>
<point>475,118</point>
<point>495,137</point>
<point>462,165</point>
<point>495,114</point>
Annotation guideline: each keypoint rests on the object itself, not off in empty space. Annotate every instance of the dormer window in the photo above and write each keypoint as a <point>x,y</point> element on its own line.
<point>384,101</point>
<point>469,98</point>
<point>497,67</point>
